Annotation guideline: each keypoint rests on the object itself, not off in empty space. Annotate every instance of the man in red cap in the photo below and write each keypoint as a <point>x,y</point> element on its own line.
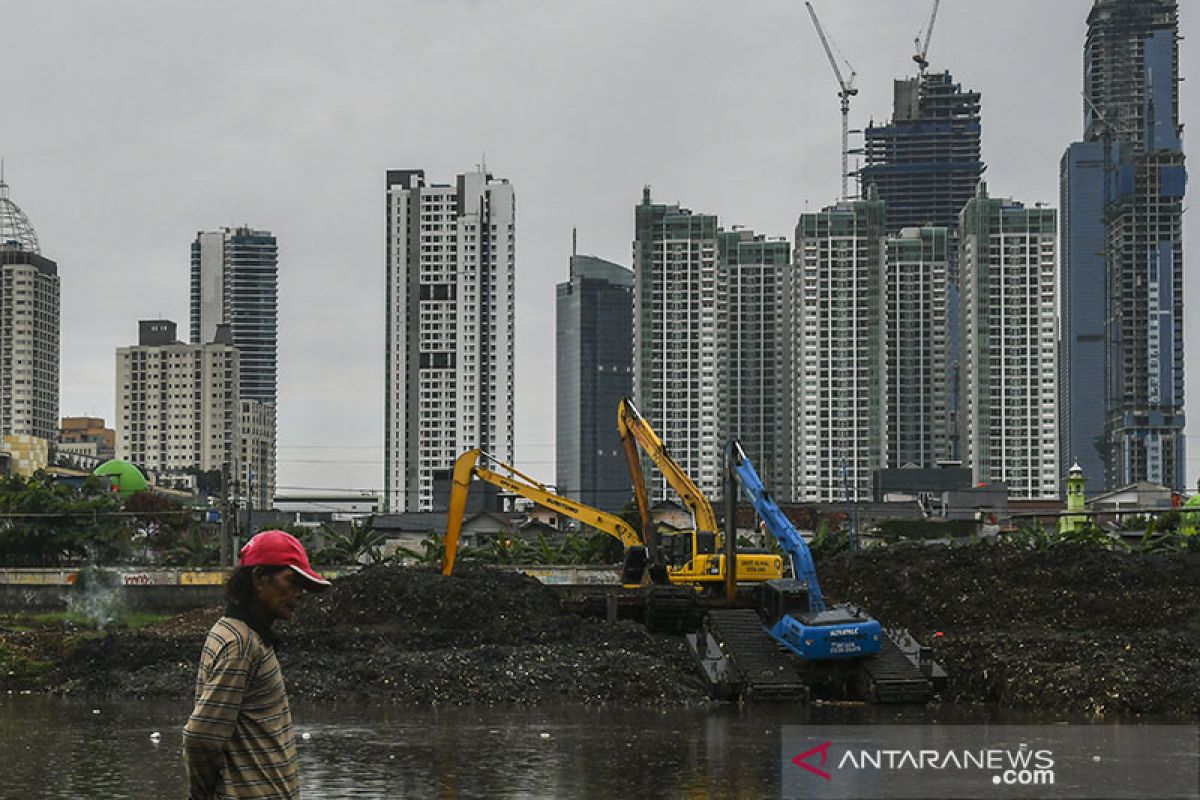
<point>238,741</point>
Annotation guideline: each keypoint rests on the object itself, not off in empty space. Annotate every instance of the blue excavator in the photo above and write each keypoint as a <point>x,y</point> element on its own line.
<point>794,608</point>
<point>795,645</point>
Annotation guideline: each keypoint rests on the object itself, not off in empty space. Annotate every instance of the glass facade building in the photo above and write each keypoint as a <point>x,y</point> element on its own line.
<point>594,359</point>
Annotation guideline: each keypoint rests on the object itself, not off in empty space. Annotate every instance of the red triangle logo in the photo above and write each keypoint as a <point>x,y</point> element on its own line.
<point>801,760</point>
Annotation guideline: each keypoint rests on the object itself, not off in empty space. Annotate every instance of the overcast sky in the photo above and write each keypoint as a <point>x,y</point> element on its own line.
<point>127,127</point>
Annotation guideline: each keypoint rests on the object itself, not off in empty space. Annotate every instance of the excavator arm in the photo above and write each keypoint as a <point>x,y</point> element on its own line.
<point>777,523</point>
<point>510,479</point>
<point>634,428</point>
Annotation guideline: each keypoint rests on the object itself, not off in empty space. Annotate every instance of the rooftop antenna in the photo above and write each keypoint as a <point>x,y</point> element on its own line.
<point>574,241</point>
<point>923,47</point>
<point>846,90</point>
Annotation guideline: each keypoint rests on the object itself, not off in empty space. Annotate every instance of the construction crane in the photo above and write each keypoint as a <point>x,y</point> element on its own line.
<point>846,90</point>
<point>923,47</point>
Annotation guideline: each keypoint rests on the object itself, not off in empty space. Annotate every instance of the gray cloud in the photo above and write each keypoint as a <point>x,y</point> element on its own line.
<point>130,126</point>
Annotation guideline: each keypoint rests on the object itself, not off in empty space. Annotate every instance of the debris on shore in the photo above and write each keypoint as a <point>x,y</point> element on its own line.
<point>1072,629</point>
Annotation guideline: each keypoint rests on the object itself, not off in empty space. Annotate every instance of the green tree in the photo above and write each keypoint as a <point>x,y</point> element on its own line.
<point>359,542</point>
<point>48,524</point>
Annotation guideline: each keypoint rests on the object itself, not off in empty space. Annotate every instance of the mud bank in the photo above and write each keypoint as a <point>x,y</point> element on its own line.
<point>1071,629</point>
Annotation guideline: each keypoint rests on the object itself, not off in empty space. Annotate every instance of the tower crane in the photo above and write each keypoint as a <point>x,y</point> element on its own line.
<point>923,47</point>
<point>846,90</point>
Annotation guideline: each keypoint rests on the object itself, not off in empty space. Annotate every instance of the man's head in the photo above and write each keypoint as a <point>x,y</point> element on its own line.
<point>273,575</point>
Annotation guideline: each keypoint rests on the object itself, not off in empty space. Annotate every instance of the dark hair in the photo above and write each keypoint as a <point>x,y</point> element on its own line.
<point>239,589</point>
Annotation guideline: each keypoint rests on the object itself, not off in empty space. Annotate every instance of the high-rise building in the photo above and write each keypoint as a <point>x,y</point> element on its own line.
<point>925,165</point>
<point>1131,82</point>
<point>29,329</point>
<point>834,300</point>
<point>257,430</point>
<point>235,282</point>
<point>675,315</point>
<point>177,404</point>
<point>1009,421</point>
<point>751,350</point>
<point>594,354</point>
<point>451,267</point>
<point>1083,172</point>
<point>916,280</point>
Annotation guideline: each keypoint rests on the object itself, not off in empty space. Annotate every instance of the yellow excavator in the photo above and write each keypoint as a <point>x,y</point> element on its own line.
<point>695,556</point>
<point>507,477</point>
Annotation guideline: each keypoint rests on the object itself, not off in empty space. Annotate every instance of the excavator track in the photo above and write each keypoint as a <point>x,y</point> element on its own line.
<point>672,609</point>
<point>741,662</point>
<point>901,672</point>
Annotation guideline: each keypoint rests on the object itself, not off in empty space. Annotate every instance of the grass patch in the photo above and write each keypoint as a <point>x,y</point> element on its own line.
<point>19,671</point>
<point>131,620</point>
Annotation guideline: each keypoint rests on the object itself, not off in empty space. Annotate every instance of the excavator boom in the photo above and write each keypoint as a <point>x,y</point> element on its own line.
<point>510,479</point>
<point>632,425</point>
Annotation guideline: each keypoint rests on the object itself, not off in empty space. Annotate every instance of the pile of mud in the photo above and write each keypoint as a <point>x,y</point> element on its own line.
<point>1069,628</point>
<point>412,636</point>
<point>1072,629</point>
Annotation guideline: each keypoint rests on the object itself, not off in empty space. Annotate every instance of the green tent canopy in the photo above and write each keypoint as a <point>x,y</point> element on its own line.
<point>129,479</point>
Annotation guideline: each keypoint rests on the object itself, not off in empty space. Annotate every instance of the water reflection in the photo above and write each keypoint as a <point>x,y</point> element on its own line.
<point>57,748</point>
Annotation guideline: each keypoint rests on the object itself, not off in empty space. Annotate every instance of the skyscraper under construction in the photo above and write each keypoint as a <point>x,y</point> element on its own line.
<point>1122,275</point>
<point>925,165</point>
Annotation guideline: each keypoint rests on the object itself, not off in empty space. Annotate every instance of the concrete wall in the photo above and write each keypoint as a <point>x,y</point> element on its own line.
<point>36,599</point>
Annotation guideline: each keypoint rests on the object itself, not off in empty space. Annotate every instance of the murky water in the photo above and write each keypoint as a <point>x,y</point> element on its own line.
<point>55,748</point>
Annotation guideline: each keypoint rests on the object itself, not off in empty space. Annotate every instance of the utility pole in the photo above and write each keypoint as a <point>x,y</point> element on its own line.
<point>226,555</point>
<point>249,501</point>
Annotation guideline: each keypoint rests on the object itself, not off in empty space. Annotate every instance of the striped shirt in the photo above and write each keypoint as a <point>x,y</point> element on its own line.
<point>238,742</point>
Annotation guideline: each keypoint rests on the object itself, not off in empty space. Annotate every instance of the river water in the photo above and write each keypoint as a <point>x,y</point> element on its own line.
<point>70,748</point>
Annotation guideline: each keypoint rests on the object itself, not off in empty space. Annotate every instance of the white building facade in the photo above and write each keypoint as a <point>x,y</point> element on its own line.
<point>675,329</point>
<point>449,373</point>
<point>1008,291</point>
<point>257,427</point>
<point>834,307</point>
<point>916,312</point>
<point>177,404</point>
<point>29,329</point>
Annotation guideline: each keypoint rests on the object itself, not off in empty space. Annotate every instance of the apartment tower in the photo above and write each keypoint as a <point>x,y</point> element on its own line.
<point>449,367</point>
<point>837,374</point>
<point>1131,81</point>
<point>177,403</point>
<point>675,316</point>
<point>235,282</point>
<point>1009,424</point>
<point>751,357</point>
<point>916,282</point>
<point>924,165</point>
<point>29,329</point>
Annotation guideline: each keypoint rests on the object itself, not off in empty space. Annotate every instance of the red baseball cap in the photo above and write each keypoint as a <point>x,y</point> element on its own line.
<point>281,549</point>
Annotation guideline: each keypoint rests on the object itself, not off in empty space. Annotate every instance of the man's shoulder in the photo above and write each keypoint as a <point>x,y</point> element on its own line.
<point>231,632</point>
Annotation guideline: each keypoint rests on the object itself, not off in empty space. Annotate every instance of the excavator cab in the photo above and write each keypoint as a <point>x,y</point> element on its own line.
<point>780,598</point>
<point>690,557</point>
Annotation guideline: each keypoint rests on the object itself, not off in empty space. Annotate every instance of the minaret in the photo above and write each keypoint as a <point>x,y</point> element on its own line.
<point>1075,502</point>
